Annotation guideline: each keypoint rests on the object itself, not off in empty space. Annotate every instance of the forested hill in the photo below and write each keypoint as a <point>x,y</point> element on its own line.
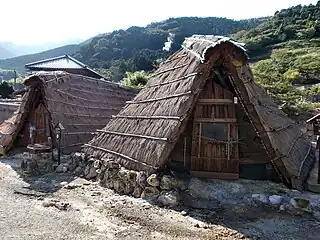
<point>139,48</point>
<point>288,47</point>
<point>294,27</point>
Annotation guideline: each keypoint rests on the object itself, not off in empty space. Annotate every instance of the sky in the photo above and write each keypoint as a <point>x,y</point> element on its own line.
<point>33,22</point>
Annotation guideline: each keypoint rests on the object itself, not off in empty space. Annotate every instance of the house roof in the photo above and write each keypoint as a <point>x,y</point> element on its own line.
<point>146,130</point>
<point>64,62</point>
<point>80,103</point>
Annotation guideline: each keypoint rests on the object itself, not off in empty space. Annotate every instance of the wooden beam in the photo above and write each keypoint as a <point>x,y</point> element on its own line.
<point>159,99</point>
<point>148,117</point>
<point>133,135</point>
<point>73,145</point>
<point>79,133</point>
<point>169,69</point>
<point>215,101</point>
<point>120,155</point>
<point>216,120</point>
<point>173,81</point>
<point>215,175</point>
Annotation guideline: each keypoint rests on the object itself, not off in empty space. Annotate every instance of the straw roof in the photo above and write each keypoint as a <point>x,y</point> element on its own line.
<point>81,104</point>
<point>146,130</point>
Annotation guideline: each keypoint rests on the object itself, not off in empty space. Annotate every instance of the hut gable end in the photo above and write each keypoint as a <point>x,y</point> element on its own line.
<point>145,134</point>
<point>81,104</point>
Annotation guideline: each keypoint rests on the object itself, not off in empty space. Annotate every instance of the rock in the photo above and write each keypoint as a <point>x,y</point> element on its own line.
<point>87,169</point>
<point>63,183</point>
<point>153,180</point>
<point>96,164</point>
<point>169,199</point>
<point>275,199</point>
<point>77,157</point>
<point>260,198</point>
<point>92,173</point>
<point>137,192</point>
<point>167,182</point>
<point>141,179</point>
<point>30,166</point>
<point>78,171</point>
<point>300,203</point>
<point>119,186</point>
<point>150,193</point>
<point>282,208</point>
<point>184,213</point>
<point>62,168</point>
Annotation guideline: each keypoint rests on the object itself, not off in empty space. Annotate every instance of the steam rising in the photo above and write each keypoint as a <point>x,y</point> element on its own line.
<point>168,43</point>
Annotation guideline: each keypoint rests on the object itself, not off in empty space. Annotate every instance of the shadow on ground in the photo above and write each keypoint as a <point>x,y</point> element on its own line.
<point>37,184</point>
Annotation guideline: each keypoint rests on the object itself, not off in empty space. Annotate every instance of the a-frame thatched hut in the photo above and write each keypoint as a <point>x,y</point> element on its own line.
<point>81,104</point>
<point>203,111</point>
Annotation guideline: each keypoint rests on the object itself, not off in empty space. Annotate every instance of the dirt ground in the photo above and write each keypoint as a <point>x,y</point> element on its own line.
<point>88,211</point>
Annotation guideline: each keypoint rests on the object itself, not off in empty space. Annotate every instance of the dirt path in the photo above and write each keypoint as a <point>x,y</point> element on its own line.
<point>97,213</point>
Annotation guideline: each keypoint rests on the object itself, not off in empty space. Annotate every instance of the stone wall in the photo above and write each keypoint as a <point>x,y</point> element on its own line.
<point>159,188</point>
<point>169,190</point>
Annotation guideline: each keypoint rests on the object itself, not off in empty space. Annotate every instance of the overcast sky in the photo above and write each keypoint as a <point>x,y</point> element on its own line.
<point>43,21</point>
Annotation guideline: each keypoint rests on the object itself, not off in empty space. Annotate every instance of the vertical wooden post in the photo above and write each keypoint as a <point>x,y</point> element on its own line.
<point>199,143</point>
<point>185,152</point>
<point>228,144</point>
<point>59,145</point>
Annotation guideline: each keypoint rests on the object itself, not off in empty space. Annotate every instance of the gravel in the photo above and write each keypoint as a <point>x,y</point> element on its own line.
<point>29,209</point>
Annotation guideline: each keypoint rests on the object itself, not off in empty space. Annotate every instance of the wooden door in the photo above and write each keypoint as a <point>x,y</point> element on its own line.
<point>40,119</point>
<point>215,151</point>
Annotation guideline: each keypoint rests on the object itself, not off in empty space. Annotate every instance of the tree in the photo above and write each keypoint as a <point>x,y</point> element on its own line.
<point>135,79</point>
<point>5,90</point>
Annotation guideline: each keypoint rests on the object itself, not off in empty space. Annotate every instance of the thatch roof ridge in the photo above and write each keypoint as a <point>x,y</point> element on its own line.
<point>44,75</point>
<point>208,42</point>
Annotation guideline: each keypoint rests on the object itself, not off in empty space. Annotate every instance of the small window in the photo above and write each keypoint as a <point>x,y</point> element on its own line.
<point>214,131</point>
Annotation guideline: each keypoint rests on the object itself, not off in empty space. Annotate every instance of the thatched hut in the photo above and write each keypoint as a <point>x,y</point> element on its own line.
<point>81,104</point>
<point>202,111</point>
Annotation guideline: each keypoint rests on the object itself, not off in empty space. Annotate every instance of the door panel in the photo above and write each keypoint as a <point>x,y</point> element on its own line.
<point>215,132</point>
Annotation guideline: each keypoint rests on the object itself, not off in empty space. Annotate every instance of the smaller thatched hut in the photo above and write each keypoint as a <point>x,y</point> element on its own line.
<point>81,104</point>
<point>202,111</point>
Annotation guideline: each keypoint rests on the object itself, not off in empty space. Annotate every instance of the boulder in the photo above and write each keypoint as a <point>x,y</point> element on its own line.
<point>141,179</point>
<point>62,168</point>
<point>153,180</point>
<point>137,192</point>
<point>30,166</point>
<point>169,199</point>
<point>78,171</point>
<point>275,199</point>
<point>167,183</point>
<point>119,186</point>
<point>87,169</point>
<point>96,164</point>
<point>150,193</point>
<point>300,203</point>
<point>77,157</point>
<point>92,173</point>
<point>260,198</point>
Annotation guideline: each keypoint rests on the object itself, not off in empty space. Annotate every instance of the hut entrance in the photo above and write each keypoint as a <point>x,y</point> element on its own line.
<point>215,151</point>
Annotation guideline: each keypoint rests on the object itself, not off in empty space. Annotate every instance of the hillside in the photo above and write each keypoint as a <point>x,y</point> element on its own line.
<point>288,47</point>
<point>19,62</point>
<point>140,48</point>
